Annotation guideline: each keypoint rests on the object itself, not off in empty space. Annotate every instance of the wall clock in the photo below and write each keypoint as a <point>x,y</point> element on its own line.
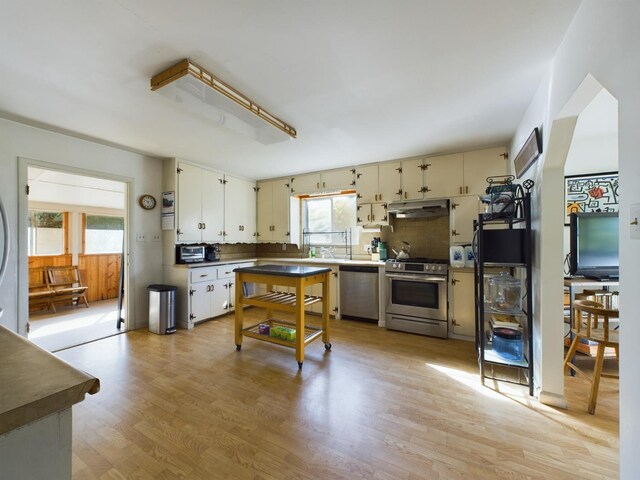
<point>148,202</point>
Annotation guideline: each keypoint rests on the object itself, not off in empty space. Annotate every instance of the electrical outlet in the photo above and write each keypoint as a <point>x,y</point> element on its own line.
<point>284,247</point>
<point>155,237</point>
<point>140,237</point>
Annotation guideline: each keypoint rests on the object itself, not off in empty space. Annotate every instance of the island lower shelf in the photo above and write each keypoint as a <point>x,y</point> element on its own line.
<point>310,332</point>
<point>280,300</point>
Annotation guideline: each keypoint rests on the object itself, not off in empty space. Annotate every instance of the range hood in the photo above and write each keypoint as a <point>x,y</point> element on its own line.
<point>419,209</point>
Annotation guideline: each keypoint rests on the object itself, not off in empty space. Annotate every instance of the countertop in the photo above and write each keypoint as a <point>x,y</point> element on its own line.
<point>297,271</point>
<point>35,383</point>
<point>297,260</point>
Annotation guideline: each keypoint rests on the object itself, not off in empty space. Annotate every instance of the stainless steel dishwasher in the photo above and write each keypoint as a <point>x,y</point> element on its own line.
<point>359,292</point>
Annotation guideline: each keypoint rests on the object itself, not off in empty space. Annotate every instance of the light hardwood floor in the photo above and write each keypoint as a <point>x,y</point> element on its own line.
<point>380,405</point>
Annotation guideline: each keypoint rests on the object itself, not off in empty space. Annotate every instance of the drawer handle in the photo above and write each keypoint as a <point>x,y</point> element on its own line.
<point>203,275</point>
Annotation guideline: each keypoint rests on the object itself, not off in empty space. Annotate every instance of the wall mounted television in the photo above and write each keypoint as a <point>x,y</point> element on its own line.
<point>594,245</point>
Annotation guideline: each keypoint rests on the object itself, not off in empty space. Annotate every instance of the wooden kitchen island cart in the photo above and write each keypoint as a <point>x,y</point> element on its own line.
<point>294,335</point>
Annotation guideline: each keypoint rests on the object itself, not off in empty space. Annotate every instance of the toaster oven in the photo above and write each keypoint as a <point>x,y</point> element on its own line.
<point>190,253</point>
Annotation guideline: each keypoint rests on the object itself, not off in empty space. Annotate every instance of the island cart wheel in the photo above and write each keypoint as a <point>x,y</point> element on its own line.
<point>238,347</point>
<point>327,346</point>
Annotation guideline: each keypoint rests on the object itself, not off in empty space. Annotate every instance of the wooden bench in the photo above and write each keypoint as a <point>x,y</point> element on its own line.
<point>66,285</point>
<point>39,292</point>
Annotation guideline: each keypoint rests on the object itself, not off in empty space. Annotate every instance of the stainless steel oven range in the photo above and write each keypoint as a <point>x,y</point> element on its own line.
<point>417,296</point>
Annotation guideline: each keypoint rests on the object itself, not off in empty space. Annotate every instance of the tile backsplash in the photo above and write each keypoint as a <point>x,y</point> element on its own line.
<point>429,237</point>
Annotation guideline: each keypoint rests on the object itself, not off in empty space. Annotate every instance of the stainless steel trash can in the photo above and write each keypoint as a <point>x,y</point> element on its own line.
<point>162,308</point>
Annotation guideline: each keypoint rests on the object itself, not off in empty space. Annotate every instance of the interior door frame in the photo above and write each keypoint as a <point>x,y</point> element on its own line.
<point>23,225</point>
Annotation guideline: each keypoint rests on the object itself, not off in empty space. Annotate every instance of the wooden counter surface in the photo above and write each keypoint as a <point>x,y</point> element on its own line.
<point>35,383</point>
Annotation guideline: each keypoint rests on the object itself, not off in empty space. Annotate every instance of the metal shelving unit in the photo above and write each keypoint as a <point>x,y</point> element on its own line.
<point>343,242</point>
<point>491,363</point>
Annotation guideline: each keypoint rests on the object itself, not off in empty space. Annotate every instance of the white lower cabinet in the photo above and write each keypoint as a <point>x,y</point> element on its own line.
<point>203,292</point>
<point>462,300</point>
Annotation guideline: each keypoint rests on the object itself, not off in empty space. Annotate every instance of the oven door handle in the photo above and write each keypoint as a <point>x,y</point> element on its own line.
<point>422,278</point>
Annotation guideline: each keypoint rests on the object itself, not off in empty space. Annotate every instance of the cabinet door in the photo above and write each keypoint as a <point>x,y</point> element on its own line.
<point>337,179</point>
<point>462,312</point>
<point>280,211</point>
<point>379,214</point>
<point>265,211</point>
<point>189,203</point>
<point>412,175</point>
<point>231,299</point>
<point>367,183</point>
<point>443,176</point>
<point>305,183</point>
<point>464,210</point>
<point>219,297</point>
<point>239,210</point>
<point>363,214</point>
<point>212,206</point>
<point>200,301</point>
<point>389,182</point>
<point>481,164</point>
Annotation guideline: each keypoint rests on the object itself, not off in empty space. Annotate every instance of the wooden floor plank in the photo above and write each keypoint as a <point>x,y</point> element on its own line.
<point>380,405</point>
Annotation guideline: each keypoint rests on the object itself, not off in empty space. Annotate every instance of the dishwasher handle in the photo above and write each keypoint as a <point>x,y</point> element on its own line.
<point>358,268</point>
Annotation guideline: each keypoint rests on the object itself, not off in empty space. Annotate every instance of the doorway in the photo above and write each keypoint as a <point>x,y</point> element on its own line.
<point>75,242</point>
<point>583,138</point>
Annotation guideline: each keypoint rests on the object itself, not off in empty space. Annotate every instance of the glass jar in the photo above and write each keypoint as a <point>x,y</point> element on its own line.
<point>505,293</point>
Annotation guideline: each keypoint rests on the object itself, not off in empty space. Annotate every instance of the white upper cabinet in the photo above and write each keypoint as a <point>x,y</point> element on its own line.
<point>342,179</point>
<point>378,183</point>
<point>305,183</point>
<point>448,176</point>
<point>273,210</point>
<point>367,183</point>
<point>412,179</point>
<point>464,210</point>
<point>389,182</point>
<point>239,210</point>
<point>480,164</point>
<point>331,180</point>
<point>200,196</point>
<point>442,175</point>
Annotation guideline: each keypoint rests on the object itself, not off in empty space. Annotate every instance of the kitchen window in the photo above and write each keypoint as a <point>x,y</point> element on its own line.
<point>103,234</point>
<point>46,235</point>
<point>332,213</point>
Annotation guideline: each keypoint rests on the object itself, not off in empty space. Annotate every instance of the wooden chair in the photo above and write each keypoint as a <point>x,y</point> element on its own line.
<point>66,284</point>
<point>39,292</point>
<point>591,322</point>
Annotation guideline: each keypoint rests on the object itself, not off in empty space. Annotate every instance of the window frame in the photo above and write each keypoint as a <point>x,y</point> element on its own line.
<point>84,233</point>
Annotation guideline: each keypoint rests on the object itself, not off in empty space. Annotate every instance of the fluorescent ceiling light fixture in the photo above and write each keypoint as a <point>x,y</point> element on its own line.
<point>203,93</point>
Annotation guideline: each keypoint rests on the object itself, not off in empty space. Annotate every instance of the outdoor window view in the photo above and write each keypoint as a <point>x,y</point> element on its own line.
<point>331,214</point>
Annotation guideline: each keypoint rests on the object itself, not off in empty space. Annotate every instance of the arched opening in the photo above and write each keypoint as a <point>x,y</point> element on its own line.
<point>583,139</point>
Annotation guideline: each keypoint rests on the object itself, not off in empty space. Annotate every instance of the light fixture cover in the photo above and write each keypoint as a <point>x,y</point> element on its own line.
<point>203,93</point>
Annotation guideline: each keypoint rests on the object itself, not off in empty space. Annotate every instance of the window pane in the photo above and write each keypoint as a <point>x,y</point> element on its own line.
<point>104,234</point>
<point>46,233</point>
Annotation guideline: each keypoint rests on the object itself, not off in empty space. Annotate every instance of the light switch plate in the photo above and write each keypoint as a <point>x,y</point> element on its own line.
<point>634,219</point>
<point>140,237</point>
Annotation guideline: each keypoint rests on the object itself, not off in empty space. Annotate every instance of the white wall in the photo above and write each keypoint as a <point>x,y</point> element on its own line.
<point>18,140</point>
<point>602,41</point>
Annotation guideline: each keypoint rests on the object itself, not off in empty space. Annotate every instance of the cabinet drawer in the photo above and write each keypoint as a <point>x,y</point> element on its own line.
<point>227,271</point>
<point>204,274</point>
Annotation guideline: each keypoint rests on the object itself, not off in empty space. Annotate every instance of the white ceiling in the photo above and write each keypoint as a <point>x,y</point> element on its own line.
<point>61,188</point>
<point>361,81</point>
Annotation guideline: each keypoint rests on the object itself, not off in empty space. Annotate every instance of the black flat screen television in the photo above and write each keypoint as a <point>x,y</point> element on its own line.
<point>594,245</point>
